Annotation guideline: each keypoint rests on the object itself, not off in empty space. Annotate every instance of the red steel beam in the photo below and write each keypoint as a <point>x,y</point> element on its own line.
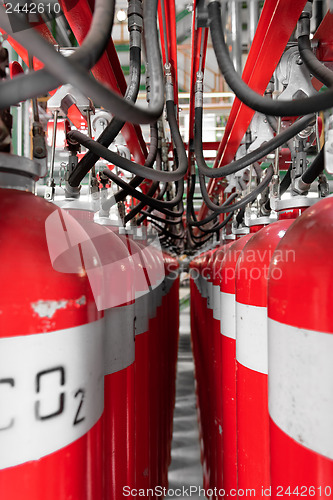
<point>324,37</point>
<point>197,34</point>
<point>171,37</point>
<point>127,132</point>
<point>276,24</point>
<point>107,70</point>
<point>74,113</point>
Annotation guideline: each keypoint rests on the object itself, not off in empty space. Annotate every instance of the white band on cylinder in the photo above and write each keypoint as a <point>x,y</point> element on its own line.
<point>216,302</point>
<point>251,337</point>
<point>300,381</point>
<point>228,315</point>
<point>209,295</point>
<point>51,391</point>
<point>119,348</point>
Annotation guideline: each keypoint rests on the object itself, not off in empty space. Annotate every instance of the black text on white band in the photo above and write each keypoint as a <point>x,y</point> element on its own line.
<point>51,391</point>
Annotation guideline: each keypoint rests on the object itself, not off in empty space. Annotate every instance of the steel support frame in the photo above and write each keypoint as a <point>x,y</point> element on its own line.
<point>74,113</point>
<point>276,24</point>
<point>107,70</point>
<point>171,37</point>
<point>197,35</point>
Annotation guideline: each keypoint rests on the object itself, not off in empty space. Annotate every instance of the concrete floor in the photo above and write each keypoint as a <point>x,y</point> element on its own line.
<point>185,469</point>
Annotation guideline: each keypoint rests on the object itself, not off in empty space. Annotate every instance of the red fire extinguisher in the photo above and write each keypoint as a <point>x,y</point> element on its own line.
<point>210,371</point>
<point>195,304</point>
<point>197,311</point>
<point>217,363</point>
<point>51,369</point>
<point>300,356</point>
<point>171,312</point>
<point>228,345</point>
<point>205,318</point>
<point>142,340</point>
<point>251,355</point>
<point>114,295</point>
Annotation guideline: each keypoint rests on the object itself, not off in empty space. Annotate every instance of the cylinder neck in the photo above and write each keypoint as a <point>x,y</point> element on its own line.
<point>292,213</point>
<point>17,172</point>
<point>256,228</point>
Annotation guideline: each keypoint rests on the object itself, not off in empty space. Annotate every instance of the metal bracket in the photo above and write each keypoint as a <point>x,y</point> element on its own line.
<point>201,14</point>
<point>65,97</point>
<point>292,73</point>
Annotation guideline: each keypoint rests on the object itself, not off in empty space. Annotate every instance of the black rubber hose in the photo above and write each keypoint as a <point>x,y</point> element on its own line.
<point>133,192</point>
<point>318,69</point>
<point>244,201</point>
<point>250,158</point>
<point>315,169</point>
<point>158,205</point>
<point>68,71</point>
<point>244,93</point>
<point>190,193</point>
<point>180,156</point>
<point>151,191</point>
<point>213,216</point>
<point>141,205</point>
<point>240,216</point>
<point>160,219</point>
<point>169,233</point>
<point>202,242</point>
<point>286,181</point>
<point>190,212</point>
<point>164,211</point>
<point>114,127</point>
<point>152,156</point>
<point>218,227</point>
<point>133,167</point>
<point>163,191</point>
<point>193,237</point>
<point>87,55</point>
<point>158,197</point>
<point>190,208</point>
<point>97,39</point>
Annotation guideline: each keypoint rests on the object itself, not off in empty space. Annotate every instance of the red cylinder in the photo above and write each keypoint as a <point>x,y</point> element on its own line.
<point>228,345</point>
<point>217,363</point>
<point>300,356</point>
<point>51,369</point>
<point>119,414</point>
<point>116,298</point>
<point>205,317</point>
<point>251,355</point>
<point>170,320</point>
<point>154,371</point>
<point>142,404</point>
<point>197,311</point>
<point>195,304</point>
<point>210,367</point>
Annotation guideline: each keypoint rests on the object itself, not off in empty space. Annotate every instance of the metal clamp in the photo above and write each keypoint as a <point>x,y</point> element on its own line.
<point>65,97</point>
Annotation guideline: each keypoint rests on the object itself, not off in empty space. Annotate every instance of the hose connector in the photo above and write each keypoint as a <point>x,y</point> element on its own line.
<point>169,93</point>
<point>135,15</point>
<point>301,187</point>
<point>303,24</point>
<point>198,99</point>
<point>323,186</point>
